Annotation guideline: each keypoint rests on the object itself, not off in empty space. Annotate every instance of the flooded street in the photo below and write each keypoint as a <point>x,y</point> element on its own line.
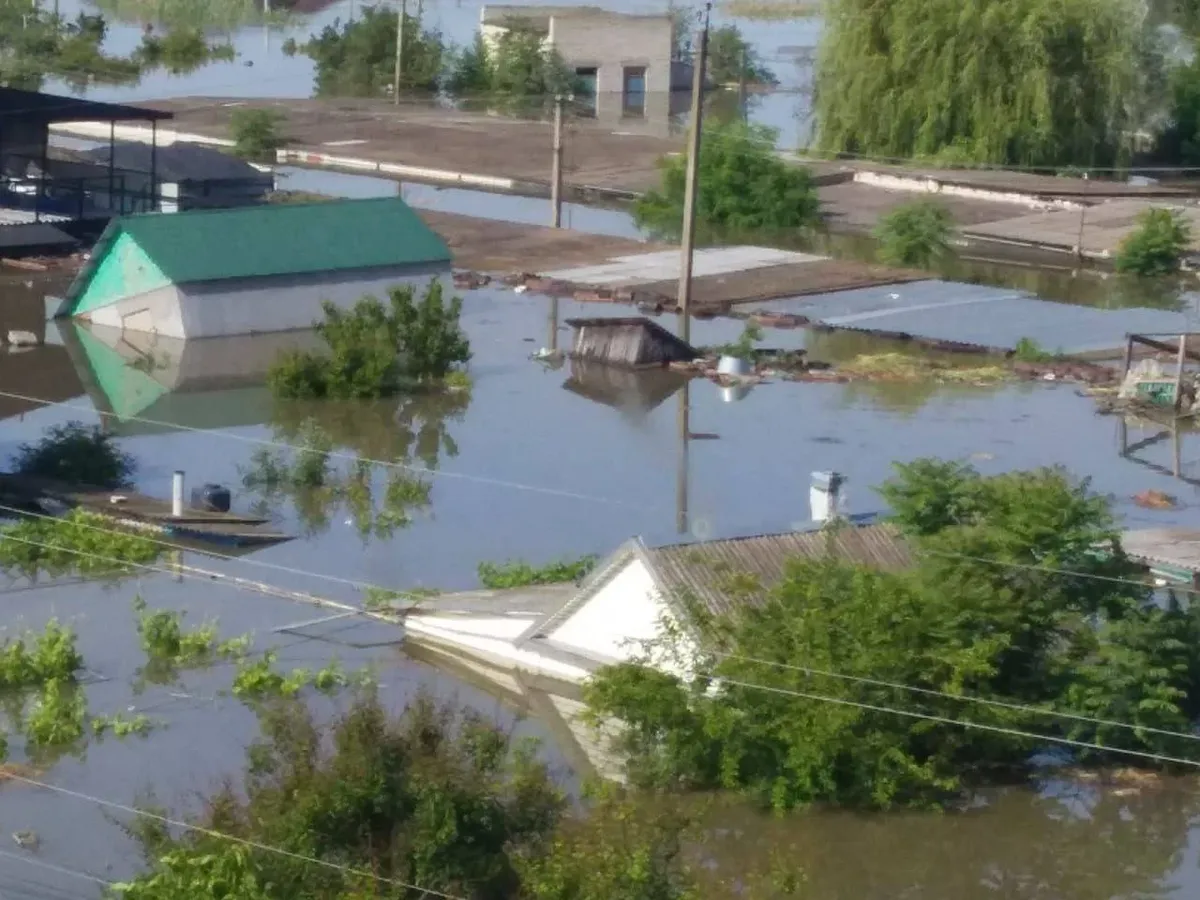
<point>529,466</point>
<point>540,463</point>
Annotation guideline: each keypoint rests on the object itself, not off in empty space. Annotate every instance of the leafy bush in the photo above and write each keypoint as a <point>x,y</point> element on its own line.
<point>375,349</point>
<point>743,347</point>
<point>78,542</point>
<point>985,611</point>
<point>358,58</point>
<point>1156,246</point>
<point>743,186</point>
<point>53,657</point>
<point>77,454</point>
<point>915,234</point>
<point>519,65</point>
<point>256,134</point>
<point>517,573</point>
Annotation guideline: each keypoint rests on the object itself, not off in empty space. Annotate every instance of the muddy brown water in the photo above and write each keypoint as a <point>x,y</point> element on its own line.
<point>527,468</point>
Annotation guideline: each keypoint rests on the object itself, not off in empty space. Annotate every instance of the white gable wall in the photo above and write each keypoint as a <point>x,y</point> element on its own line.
<point>624,614</point>
<point>154,312</point>
<point>286,303</point>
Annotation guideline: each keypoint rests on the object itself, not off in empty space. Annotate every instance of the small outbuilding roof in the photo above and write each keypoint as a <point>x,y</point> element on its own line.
<point>17,105</point>
<point>273,239</point>
<point>179,161</point>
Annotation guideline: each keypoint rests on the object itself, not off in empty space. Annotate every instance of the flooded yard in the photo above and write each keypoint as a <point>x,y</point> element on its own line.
<point>532,464</point>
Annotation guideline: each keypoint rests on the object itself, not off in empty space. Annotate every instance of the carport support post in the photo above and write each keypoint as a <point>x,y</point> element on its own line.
<point>556,166</point>
<point>1128,356</point>
<point>177,494</point>
<point>689,196</point>
<point>1179,371</point>
<point>112,152</point>
<point>681,475</point>
<point>399,51</point>
<point>154,165</point>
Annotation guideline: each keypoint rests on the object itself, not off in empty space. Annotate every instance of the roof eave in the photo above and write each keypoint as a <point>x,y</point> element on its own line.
<point>80,282</point>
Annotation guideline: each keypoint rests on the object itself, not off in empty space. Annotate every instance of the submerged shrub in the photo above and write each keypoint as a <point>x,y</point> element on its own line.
<point>1156,246</point>
<point>915,234</point>
<point>79,454</point>
<point>517,573</point>
<point>376,348</point>
<point>80,542</point>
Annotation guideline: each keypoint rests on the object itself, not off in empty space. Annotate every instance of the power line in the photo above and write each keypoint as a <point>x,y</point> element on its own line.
<point>966,698</point>
<point>963,723</point>
<point>334,454</point>
<point>291,570</point>
<point>54,867</point>
<point>221,835</point>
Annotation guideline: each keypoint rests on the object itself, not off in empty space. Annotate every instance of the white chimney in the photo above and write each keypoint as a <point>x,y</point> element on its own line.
<point>825,496</point>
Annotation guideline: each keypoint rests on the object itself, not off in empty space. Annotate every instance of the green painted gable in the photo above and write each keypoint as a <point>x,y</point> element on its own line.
<point>123,269</point>
<point>261,241</point>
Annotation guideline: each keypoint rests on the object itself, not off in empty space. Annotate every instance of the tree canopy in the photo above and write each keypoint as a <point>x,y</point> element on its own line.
<point>743,186</point>
<point>1015,82</point>
<point>985,611</point>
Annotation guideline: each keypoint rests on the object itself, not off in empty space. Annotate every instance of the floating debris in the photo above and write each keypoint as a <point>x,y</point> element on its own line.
<point>27,840</point>
<point>1155,500</point>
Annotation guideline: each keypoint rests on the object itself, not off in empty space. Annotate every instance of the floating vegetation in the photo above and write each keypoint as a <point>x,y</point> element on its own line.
<point>57,716</point>
<point>79,542</point>
<point>163,637</point>
<point>122,727</point>
<point>36,659</point>
<point>900,367</point>
<point>518,573</point>
<point>258,680</point>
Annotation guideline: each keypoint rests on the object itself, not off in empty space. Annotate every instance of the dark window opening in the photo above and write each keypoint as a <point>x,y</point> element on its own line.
<point>585,103</point>
<point>634,93</point>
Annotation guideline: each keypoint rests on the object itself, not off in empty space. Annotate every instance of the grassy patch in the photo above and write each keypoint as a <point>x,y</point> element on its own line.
<point>900,367</point>
<point>518,573</point>
<point>772,10</point>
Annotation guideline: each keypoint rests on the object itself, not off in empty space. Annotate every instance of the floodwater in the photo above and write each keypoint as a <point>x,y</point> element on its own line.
<point>261,68</point>
<point>530,465</point>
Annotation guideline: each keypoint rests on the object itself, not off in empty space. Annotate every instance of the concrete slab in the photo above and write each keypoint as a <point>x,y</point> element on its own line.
<point>1104,226</point>
<point>648,268</point>
<point>984,315</point>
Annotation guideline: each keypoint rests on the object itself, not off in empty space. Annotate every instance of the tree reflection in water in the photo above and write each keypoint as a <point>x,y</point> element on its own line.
<point>377,497</point>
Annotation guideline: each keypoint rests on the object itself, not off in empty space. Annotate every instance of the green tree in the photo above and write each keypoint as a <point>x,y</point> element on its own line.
<point>1022,82</point>
<point>517,66</point>
<point>915,234</point>
<point>743,186</point>
<point>256,134</point>
<point>358,59</point>
<point>985,611</point>
<point>733,59</point>
<point>1156,245</point>
<point>78,454</point>
<point>374,350</point>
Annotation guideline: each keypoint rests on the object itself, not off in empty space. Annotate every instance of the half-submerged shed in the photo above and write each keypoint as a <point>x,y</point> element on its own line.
<point>633,341</point>
<point>222,272</point>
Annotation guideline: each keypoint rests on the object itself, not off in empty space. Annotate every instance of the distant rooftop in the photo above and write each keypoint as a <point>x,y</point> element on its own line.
<point>180,161</point>
<point>16,105</point>
<point>540,16</point>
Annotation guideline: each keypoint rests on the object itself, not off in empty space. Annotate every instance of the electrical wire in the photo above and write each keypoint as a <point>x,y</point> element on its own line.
<point>291,570</point>
<point>962,723</point>
<point>965,698</point>
<point>335,454</point>
<point>53,867</point>
<point>221,835</point>
<point>788,666</point>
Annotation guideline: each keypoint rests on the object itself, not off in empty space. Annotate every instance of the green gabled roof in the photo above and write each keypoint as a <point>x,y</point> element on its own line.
<point>275,239</point>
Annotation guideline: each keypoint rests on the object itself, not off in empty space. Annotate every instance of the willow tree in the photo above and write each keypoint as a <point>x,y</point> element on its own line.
<point>1017,82</point>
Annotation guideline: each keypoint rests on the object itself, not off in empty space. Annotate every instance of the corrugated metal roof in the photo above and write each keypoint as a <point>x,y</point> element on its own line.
<point>1174,547</point>
<point>663,265</point>
<point>276,239</point>
<point>697,570</point>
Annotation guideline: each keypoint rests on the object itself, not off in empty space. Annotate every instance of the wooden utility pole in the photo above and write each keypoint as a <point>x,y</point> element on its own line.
<point>556,166</point>
<point>689,196</point>
<point>399,51</point>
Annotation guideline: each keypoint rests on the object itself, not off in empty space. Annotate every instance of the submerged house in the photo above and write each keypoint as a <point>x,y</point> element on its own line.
<point>639,594</point>
<point>250,270</point>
